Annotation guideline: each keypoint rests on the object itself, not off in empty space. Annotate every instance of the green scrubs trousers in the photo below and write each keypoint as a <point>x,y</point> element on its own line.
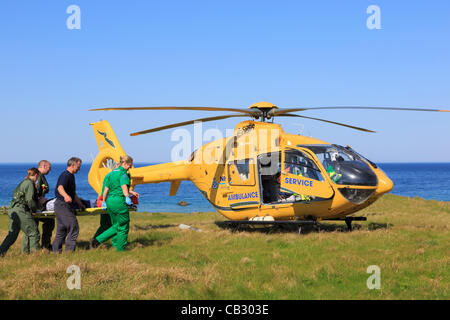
<point>120,219</point>
<point>105,224</point>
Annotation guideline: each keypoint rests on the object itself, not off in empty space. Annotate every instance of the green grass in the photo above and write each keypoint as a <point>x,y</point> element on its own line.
<point>408,238</point>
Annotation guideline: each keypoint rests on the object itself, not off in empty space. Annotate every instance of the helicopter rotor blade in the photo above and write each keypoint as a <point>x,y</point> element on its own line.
<point>248,112</point>
<point>284,111</point>
<point>328,121</point>
<point>180,124</point>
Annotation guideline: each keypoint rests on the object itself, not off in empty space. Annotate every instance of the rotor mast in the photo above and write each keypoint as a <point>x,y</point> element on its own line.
<point>263,110</point>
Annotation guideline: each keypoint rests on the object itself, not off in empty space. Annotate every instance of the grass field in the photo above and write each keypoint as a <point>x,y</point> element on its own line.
<point>408,238</point>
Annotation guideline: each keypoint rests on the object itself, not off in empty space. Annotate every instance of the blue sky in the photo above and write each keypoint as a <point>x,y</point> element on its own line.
<point>227,53</point>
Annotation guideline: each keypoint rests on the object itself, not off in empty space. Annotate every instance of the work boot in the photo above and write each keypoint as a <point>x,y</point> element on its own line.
<point>93,243</point>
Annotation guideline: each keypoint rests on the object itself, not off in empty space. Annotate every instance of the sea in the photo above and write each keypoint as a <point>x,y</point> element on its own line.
<point>429,181</point>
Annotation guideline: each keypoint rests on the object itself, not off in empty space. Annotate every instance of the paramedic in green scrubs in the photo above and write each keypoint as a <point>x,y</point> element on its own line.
<point>116,194</point>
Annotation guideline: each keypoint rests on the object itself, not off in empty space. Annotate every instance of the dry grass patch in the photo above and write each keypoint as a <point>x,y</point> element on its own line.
<point>407,238</point>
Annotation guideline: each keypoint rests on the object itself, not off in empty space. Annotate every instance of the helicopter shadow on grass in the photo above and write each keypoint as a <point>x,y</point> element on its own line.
<point>320,227</point>
<point>341,227</point>
<point>146,242</point>
<point>151,226</point>
<point>136,243</point>
<point>151,239</point>
<point>139,242</point>
<point>276,229</point>
<point>84,245</point>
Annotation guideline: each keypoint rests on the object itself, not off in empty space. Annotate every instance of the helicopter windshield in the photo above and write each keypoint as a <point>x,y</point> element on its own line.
<point>343,166</point>
<point>349,149</point>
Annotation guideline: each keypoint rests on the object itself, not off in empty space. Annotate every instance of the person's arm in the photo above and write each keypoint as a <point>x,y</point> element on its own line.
<point>105,194</point>
<point>30,196</point>
<point>125,191</point>
<point>39,191</point>
<point>79,202</point>
<point>124,183</point>
<point>134,193</point>
<point>63,192</point>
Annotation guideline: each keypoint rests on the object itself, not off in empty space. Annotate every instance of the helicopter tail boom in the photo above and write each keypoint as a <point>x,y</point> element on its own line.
<point>173,172</point>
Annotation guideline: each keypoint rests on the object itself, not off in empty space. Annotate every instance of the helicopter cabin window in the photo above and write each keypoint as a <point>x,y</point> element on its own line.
<point>241,173</point>
<point>298,163</point>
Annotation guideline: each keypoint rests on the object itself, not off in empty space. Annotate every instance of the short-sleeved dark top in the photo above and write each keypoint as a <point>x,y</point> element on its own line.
<point>67,180</point>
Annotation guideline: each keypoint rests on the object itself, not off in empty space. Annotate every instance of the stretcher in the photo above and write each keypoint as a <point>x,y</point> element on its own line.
<point>85,212</point>
<point>92,208</point>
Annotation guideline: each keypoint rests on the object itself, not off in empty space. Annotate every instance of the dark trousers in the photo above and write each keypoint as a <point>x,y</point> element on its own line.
<point>13,233</point>
<point>67,227</point>
<point>105,224</point>
<point>48,225</point>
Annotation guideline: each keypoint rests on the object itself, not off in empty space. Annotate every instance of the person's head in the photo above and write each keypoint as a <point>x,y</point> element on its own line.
<point>44,167</point>
<point>74,164</point>
<point>32,174</point>
<point>333,156</point>
<point>126,162</point>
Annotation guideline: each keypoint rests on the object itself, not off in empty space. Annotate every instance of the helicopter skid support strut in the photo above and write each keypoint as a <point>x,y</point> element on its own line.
<point>234,224</point>
<point>348,221</point>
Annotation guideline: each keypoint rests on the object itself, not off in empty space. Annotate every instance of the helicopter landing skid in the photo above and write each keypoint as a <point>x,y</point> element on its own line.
<point>234,224</point>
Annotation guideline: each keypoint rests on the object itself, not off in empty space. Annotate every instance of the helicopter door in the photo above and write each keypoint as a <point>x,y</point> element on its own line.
<point>241,178</point>
<point>301,176</point>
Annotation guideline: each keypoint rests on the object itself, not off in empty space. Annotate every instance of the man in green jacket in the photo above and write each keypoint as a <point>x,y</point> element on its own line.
<point>42,188</point>
<point>21,209</point>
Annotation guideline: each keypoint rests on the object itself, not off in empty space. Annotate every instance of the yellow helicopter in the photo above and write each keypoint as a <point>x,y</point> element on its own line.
<point>261,174</point>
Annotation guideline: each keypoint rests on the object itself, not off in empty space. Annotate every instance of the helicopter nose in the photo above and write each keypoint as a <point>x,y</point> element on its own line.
<point>384,183</point>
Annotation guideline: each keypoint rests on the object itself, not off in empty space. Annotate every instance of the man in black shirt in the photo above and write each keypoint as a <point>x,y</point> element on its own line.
<point>67,224</point>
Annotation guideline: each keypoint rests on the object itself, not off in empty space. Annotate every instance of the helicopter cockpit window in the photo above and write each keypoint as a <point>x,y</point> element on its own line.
<point>241,172</point>
<point>344,167</point>
<point>349,149</point>
<point>298,163</point>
